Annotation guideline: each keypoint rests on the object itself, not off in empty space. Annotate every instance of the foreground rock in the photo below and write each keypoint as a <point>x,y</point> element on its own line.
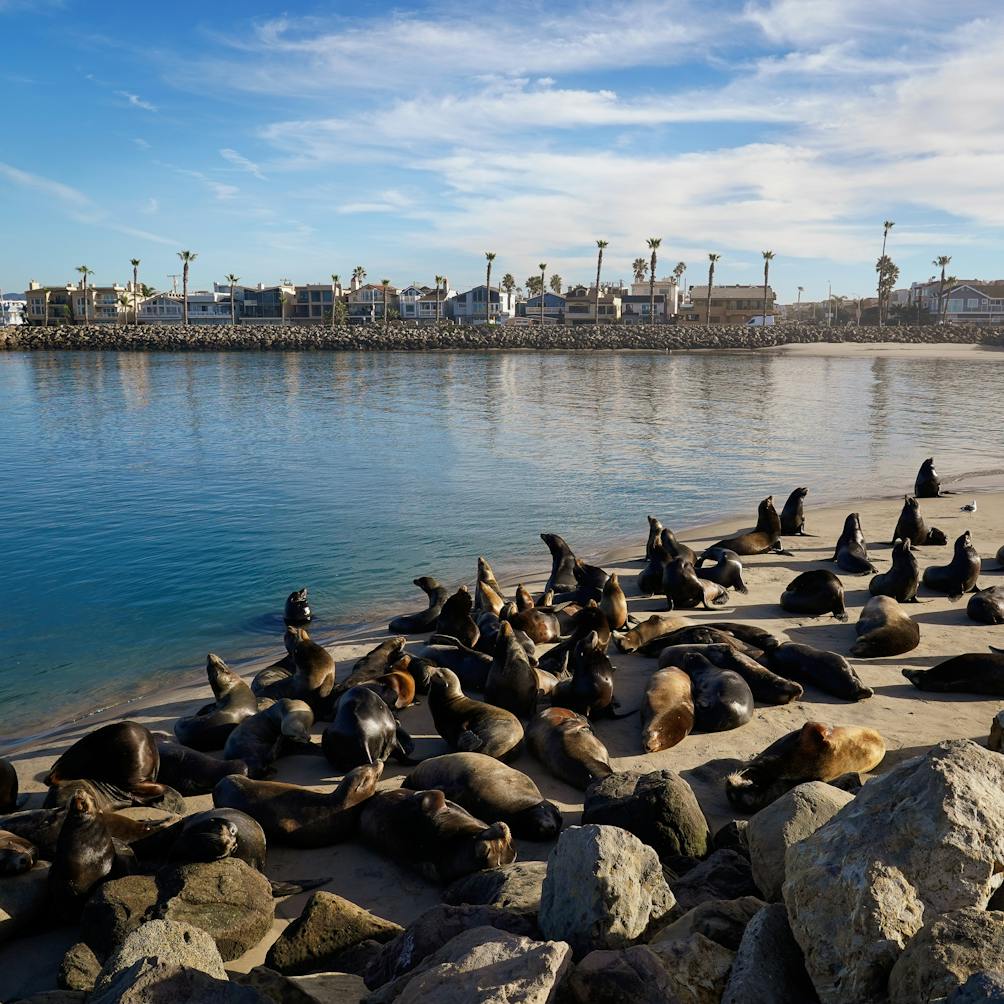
<point>115,910</point>
<point>724,875</point>
<point>996,740</point>
<point>157,982</point>
<point>513,887</point>
<point>721,920</point>
<point>979,988</point>
<point>611,977</point>
<point>603,889</point>
<point>696,966</point>
<point>925,839</point>
<point>79,969</point>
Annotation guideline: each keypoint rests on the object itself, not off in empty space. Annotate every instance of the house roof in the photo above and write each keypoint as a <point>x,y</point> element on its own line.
<point>994,290</point>
<point>724,292</point>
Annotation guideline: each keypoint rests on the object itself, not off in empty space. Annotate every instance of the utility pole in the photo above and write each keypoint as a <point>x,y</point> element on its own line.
<point>174,282</point>
<point>829,304</point>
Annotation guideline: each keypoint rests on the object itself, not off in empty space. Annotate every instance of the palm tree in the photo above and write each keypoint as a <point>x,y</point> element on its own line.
<point>358,274</point>
<point>768,257</point>
<point>556,283</point>
<point>798,304</point>
<point>543,286</point>
<point>233,280</point>
<point>123,301</point>
<point>85,272</point>
<point>941,262</point>
<point>135,289</point>
<point>439,283</point>
<point>653,244</point>
<point>639,266</point>
<point>712,258</point>
<point>949,283</point>
<point>386,286</point>
<point>489,258</point>
<point>187,257</point>
<point>600,245</point>
<point>47,296</point>
<point>336,283</point>
<point>886,227</point>
<point>509,285</point>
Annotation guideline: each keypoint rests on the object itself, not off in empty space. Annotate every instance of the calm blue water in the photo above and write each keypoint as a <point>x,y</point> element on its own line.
<point>159,506</point>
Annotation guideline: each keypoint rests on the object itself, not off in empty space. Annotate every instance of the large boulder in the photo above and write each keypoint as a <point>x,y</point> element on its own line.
<point>926,838</point>
<point>328,926</point>
<point>784,822</point>
<point>331,988</point>
<point>945,952</point>
<point>79,969</point>
<point>280,989</point>
<point>659,808</point>
<point>768,967</point>
<point>697,967</point>
<point>978,989</point>
<point>512,887</point>
<point>996,740</point>
<point>115,909</point>
<point>721,920</point>
<point>722,875</point>
<point>603,889</point>
<point>23,901</point>
<point>612,976</point>
<point>153,981</point>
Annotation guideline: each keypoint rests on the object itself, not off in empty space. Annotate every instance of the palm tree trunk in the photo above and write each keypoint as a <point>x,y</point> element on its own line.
<point>488,295</point>
<point>385,308</point>
<point>135,302</point>
<point>233,308</point>
<point>766,266</point>
<point>596,302</point>
<point>184,295</point>
<point>941,290</point>
<point>711,279</point>
<point>651,291</point>
<point>438,314</point>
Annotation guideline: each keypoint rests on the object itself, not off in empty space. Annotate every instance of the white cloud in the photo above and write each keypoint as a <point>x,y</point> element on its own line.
<point>238,160</point>
<point>151,207</point>
<point>141,143</point>
<point>136,101</point>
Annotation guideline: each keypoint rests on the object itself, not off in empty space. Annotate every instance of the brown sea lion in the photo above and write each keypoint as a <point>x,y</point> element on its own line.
<point>667,711</point>
<point>297,816</point>
<point>765,536</point>
<point>793,514</point>
<point>722,698</point>
<point>486,598</point>
<point>766,687</point>
<point>471,726</point>
<point>684,590</point>
<point>884,629</point>
<point>697,634</point>
<point>911,526</point>
<point>969,673</point>
<point>589,618</point>
<point>455,618</point>
<point>524,599</point>
<point>674,548</point>
<point>589,582</point>
<point>815,752</point>
<point>613,603</point>
<point>260,739</point>
<point>397,688</point>
<point>491,791</point>
<point>851,552</point>
<point>297,609</point>
<point>85,856</point>
<point>210,835</point>
<point>17,855</point>
<point>364,730</point>
<point>960,574</point>
<point>928,484</point>
<point>590,691</point>
<point>189,771</point>
<point>1000,557</point>
<point>436,837</point>
<point>487,576</point>
<point>650,577</point>
<point>830,672</point>
<point>539,625</point>
<point>566,745</point>
<point>109,797</point>
<point>815,592</point>
<point>471,667</point>
<point>8,786</point>
<point>377,662</point>
<point>209,727</point>
<point>654,533</point>
<point>987,606</point>
<point>562,576</point>
<point>649,629</point>
<point>727,572</point>
<point>313,676</point>
<point>511,682</point>
<point>423,620</point>
<point>902,580</point>
<point>41,827</point>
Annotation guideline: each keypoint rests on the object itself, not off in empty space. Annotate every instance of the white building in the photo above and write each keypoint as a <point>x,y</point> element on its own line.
<point>12,309</point>
<point>668,287</point>
<point>204,307</point>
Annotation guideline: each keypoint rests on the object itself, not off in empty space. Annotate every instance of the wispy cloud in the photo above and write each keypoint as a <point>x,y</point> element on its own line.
<point>242,162</point>
<point>151,207</point>
<point>141,143</point>
<point>136,101</point>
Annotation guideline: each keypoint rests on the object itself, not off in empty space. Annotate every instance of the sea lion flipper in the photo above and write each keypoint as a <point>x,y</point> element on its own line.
<point>469,742</point>
<point>294,886</point>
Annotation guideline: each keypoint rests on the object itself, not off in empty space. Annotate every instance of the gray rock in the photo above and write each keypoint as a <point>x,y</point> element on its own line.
<point>613,976</point>
<point>768,967</point>
<point>723,875</point>
<point>278,988</point>
<point>513,887</point>
<point>659,808</point>
<point>733,836</point>
<point>945,952</point>
<point>54,997</point>
<point>328,926</point>
<point>23,901</point>
<point>697,967</point>
<point>979,988</point>
<point>79,968</point>
<point>332,988</point>
<point>784,822</point>
<point>115,909</point>
<point>996,740</point>
<point>603,889</point>
<point>153,981</point>
<point>926,838</point>
<point>721,920</point>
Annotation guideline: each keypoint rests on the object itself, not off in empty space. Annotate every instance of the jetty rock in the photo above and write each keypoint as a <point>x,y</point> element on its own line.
<point>925,839</point>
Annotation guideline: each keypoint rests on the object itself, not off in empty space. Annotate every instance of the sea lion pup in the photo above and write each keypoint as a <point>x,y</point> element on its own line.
<point>17,855</point>
<point>562,577</point>
<point>902,580</point>
<point>85,856</point>
<point>928,484</point>
<point>8,786</point>
<point>722,698</point>
<point>566,745</point>
<point>364,730</point>
<point>653,627</point>
<point>189,771</point>
<point>815,752</point>
<point>123,754</point>
<point>793,514</point>
<point>766,687</point>
<point>511,682</point>
<point>960,574</point>
<point>491,791</point>
<point>765,536</point>
<point>667,711</point>
<point>650,577</point>
<point>210,726</point>
<point>613,603</point>
<point>851,552</point>
<point>684,590</point>
<point>815,592</point>
<point>969,673</point>
<point>470,667</point>
<point>674,548</point>
<point>259,739</point>
<point>539,625</point>
<point>911,526</point>
<point>424,620</point>
<point>396,688</point>
<point>471,726</point>
<point>727,572</point>
<point>455,618</point>
<point>297,610</point>
<point>436,837</point>
<point>884,629</point>
<point>830,672</point>
<point>590,691</point>
<point>987,605</point>
<point>299,817</point>
<point>654,531</point>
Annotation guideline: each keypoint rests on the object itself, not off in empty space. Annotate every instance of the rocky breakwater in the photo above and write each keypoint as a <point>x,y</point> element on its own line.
<point>451,337</point>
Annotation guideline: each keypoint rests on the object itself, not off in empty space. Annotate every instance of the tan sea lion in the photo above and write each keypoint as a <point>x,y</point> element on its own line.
<point>397,687</point>
<point>539,625</point>
<point>259,739</point>
<point>471,726</point>
<point>566,745</point>
<point>765,536</point>
<point>423,620</point>
<point>524,601</point>
<point>209,727</point>
<point>313,676</point>
<point>649,629</point>
<point>377,662</point>
<point>884,629</point>
<point>486,598</point>
<point>614,603</point>
<point>17,855</point>
<point>667,712</point>
<point>487,576</point>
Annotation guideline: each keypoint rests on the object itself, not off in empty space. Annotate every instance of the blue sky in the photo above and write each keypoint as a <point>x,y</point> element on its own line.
<point>297,141</point>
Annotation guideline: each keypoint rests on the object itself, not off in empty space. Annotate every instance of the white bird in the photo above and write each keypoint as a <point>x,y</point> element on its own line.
<point>969,508</point>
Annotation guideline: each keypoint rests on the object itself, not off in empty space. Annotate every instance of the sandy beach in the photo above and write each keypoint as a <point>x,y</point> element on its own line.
<point>909,720</point>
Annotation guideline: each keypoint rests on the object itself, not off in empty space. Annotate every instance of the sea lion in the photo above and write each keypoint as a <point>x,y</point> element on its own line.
<point>297,816</point>
<point>750,635</point>
<point>424,620</point>
<point>566,745</point>
<point>589,583</point>
<point>562,577</point>
<point>613,603</point>
<point>928,484</point>
<point>765,536</point>
<point>727,572</point>
<point>815,752</point>
<point>525,600</point>
<point>297,610</point>
<point>377,662</point>
<point>684,590</point>
<point>364,730</point>
<point>960,574</point>
<point>17,855</point>
<point>722,698</point>
<point>420,671</point>
<point>654,532</point>
<point>969,673</point>
<point>793,514</point>
<point>987,605</point>
<point>815,592</point>
<point>108,797</point>
<point>396,688</point>
<point>911,526</point>
<point>902,580</point>
<point>830,672</point>
<point>41,827</point>
<point>8,786</point>
<point>122,753</point>
<point>487,576</point>
<point>667,711</point>
<point>697,634</point>
<point>539,625</point>
<point>590,691</point>
<point>210,726</point>
<point>471,726</point>
<point>189,771</point>
<point>491,791</point>
<point>85,856</point>
<point>1000,557</point>
<point>589,618</point>
<point>851,553</point>
<point>313,676</point>
<point>210,835</point>
<point>455,618</point>
<point>436,837</point>
<point>884,629</point>
<point>470,667</point>
<point>674,548</point>
<point>653,627</point>
<point>511,682</point>
<point>259,739</point>
<point>486,598</point>
<point>766,687</point>
<point>650,577</point>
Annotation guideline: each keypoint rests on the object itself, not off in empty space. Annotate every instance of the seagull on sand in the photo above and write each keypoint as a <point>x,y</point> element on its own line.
<point>971,507</point>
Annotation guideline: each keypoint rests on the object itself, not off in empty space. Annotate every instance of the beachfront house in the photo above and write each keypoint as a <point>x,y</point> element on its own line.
<point>729,304</point>
<point>635,308</point>
<point>469,307</point>
<point>312,304</point>
<point>366,303</point>
<point>204,307</point>
<point>12,307</point>
<point>974,302</point>
<point>48,304</point>
<point>554,309</point>
<point>259,304</point>
<point>581,306</point>
<point>667,288</point>
<point>425,311</point>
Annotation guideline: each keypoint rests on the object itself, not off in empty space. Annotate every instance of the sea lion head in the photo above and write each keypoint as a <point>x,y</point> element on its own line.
<point>444,682</point>
<point>297,718</point>
<point>297,610</point>
<point>936,537</point>
<point>221,677</point>
<point>360,783</point>
<point>426,583</point>
<point>293,635</point>
<point>493,847</point>
<point>544,819</point>
<point>81,804</point>
<point>209,840</point>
